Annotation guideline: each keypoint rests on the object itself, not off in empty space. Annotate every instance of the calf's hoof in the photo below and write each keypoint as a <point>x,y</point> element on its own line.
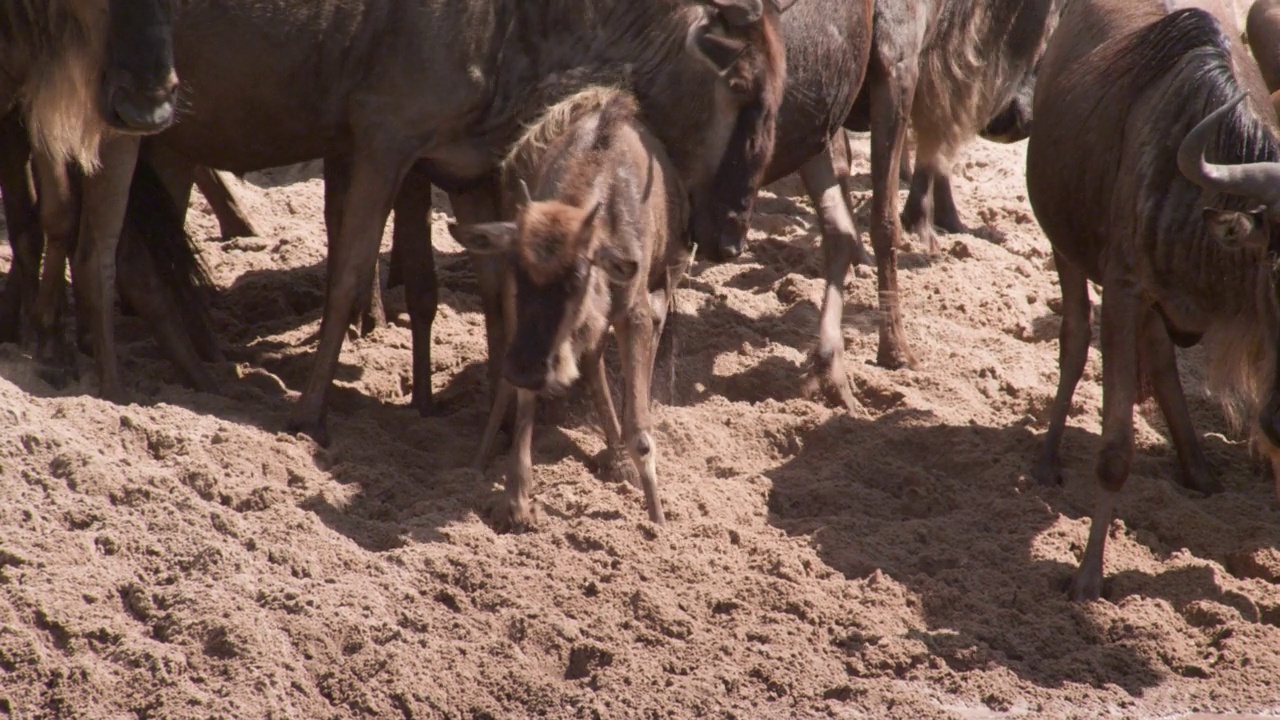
<point>1085,586</point>
<point>312,428</point>
<point>513,515</point>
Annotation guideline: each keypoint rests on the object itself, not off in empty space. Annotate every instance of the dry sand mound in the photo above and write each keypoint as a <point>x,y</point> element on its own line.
<point>182,558</point>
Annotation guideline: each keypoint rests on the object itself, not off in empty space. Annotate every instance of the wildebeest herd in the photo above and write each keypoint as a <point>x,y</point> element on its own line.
<point>590,147</point>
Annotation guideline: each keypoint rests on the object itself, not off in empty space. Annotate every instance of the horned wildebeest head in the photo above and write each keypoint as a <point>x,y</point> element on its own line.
<point>754,84</point>
<point>82,67</point>
<point>1257,229</point>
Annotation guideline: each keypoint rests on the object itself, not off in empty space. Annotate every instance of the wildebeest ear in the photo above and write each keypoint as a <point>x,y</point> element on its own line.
<point>719,51</point>
<point>740,13</point>
<point>1237,230</point>
<point>617,267</point>
<point>484,238</point>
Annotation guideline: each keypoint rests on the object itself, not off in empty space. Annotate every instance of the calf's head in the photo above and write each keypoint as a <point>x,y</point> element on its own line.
<point>743,46</point>
<point>139,83</point>
<point>1257,230</point>
<point>558,269</point>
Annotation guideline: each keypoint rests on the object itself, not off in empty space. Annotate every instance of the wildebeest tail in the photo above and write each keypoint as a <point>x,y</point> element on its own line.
<point>153,221</point>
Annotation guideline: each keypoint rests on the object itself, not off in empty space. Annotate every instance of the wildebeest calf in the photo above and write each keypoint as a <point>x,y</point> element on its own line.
<point>599,243</point>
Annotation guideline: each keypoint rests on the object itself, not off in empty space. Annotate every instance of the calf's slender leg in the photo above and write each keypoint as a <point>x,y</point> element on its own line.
<point>593,369</point>
<point>1073,353</point>
<point>515,510</point>
<point>635,338</point>
<point>841,153</point>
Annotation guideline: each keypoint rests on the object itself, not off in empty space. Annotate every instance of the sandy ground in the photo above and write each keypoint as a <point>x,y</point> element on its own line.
<point>182,557</point>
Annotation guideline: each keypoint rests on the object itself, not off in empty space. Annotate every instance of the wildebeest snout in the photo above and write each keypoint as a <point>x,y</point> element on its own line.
<point>723,236</point>
<point>141,106</point>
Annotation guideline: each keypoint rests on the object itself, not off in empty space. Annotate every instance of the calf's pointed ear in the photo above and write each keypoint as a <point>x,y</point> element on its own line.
<point>485,238</point>
<point>1237,230</point>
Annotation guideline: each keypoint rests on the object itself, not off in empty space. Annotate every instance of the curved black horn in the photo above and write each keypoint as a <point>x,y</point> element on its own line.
<point>1259,181</point>
<point>740,12</point>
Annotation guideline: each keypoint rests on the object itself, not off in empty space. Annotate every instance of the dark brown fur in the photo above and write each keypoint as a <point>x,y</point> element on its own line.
<point>1122,84</point>
<point>599,243</point>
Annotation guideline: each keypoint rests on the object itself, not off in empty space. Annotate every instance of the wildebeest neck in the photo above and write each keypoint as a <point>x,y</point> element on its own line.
<point>551,49</point>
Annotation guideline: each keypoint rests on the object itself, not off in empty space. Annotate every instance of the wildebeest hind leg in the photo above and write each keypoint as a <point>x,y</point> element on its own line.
<point>841,152</point>
<point>219,191</point>
<point>17,304</point>
<point>1161,366</point>
<point>337,181</point>
<point>1073,352</point>
<point>1122,316</point>
<point>839,237</point>
<point>945,215</point>
<point>141,286</point>
<point>892,74</point>
<point>412,235</point>
<point>375,178</point>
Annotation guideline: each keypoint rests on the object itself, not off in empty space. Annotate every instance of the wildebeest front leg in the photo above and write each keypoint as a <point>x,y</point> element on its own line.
<point>892,74</point>
<point>635,339</point>
<point>594,372</point>
<point>839,239</point>
<point>515,510</point>
<point>1122,313</point>
<point>375,177</point>
<point>219,191</point>
<point>1073,353</point>
<point>502,400</point>
<point>417,265</point>
<point>1160,362</point>
<point>945,215</point>
<point>102,217</point>
<point>17,304</point>
<point>60,219</point>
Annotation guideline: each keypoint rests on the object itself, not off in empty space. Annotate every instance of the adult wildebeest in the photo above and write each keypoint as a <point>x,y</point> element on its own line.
<point>1131,99</point>
<point>373,86</point>
<point>599,243</point>
<point>73,72</point>
<point>953,68</point>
